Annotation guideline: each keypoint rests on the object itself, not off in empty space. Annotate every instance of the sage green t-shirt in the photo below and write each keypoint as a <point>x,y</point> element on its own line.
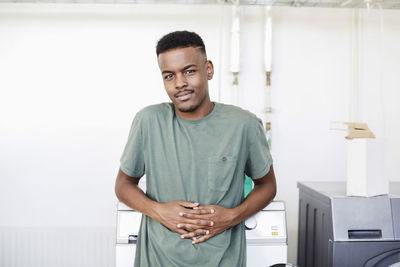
<point>202,161</point>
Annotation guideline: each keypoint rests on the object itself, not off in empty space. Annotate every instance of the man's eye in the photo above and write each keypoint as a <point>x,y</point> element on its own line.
<point>190,71</point>
<point>168,77</point>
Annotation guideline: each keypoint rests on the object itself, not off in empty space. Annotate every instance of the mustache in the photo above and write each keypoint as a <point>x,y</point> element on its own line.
<point>183,92</point>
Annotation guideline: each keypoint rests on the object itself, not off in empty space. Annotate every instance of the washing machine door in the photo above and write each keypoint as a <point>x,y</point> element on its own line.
<point>388,259</point>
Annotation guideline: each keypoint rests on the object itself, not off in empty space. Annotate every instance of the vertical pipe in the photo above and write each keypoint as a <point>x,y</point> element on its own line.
<point>268,69</point>
<point>268,44</point>
<point>235,39</point>
<point>235,51</point>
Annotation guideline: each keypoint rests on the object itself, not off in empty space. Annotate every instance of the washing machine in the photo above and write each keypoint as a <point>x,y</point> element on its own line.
<point>336,230</point>
<point>265,235</point>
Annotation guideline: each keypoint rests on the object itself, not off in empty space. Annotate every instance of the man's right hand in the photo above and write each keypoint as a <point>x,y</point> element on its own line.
<point>170,214</point>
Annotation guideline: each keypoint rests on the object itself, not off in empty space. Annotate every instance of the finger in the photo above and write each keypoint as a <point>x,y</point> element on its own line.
<point>180,231</point>
<point>192,227</point>
<point>190,213</point>
<point>204,207</point>
<point>188,204</point>
<point>201,239</point>
<point>188,227</point>
<point>195,233</point>
<point>210,209</point>
<point>199,222</point>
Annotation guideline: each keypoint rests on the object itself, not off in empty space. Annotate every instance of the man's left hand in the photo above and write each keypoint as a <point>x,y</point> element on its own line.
<point>222,218</point>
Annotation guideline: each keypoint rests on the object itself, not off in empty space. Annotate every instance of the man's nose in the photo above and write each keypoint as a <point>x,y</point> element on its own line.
<point>180,81</point>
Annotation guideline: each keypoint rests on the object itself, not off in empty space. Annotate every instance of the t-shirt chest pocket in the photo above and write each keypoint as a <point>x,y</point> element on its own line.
<point>220,172</point>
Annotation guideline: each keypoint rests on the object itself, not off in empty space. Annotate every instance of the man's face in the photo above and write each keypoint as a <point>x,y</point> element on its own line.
<point>185,72</point>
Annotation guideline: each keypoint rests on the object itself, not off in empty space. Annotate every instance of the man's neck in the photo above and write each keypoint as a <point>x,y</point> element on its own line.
<point>199,113</point>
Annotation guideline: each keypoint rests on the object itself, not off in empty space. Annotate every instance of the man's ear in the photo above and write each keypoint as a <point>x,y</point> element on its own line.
<point>210,69</point>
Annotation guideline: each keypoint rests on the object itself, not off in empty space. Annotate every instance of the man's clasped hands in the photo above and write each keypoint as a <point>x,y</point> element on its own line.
<point>194,221</point>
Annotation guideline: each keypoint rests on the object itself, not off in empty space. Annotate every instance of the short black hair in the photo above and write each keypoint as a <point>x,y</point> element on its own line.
<point>179,39</point>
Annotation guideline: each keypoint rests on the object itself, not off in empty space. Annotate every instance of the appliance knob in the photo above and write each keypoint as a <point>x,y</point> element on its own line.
<point>250,223</point>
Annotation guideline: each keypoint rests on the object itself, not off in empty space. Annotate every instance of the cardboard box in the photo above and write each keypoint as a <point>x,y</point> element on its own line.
<point>366,174</point>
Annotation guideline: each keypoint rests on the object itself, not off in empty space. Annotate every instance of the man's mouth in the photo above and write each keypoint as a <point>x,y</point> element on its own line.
<point>185,95</point>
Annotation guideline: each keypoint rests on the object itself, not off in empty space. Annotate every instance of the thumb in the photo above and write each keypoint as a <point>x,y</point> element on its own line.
<point>188,204</point>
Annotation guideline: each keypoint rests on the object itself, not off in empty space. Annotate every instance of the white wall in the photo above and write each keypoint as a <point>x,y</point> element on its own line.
<point>73,76</point>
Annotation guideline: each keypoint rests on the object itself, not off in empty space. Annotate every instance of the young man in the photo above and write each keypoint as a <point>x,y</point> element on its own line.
<point>195,154</point>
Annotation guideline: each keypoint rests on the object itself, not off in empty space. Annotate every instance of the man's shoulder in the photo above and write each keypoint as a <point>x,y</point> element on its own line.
<point>238,114</point>
<point>156,110</point>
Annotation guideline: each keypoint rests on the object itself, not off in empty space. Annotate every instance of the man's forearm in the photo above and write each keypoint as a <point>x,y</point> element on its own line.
<point>129,193</point>
<point>255,201</point>
<point>259,197</point>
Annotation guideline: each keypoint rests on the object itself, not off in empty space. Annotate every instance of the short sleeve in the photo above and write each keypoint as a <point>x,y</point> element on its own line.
<point>132,159</point>
<point>259,158</point>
